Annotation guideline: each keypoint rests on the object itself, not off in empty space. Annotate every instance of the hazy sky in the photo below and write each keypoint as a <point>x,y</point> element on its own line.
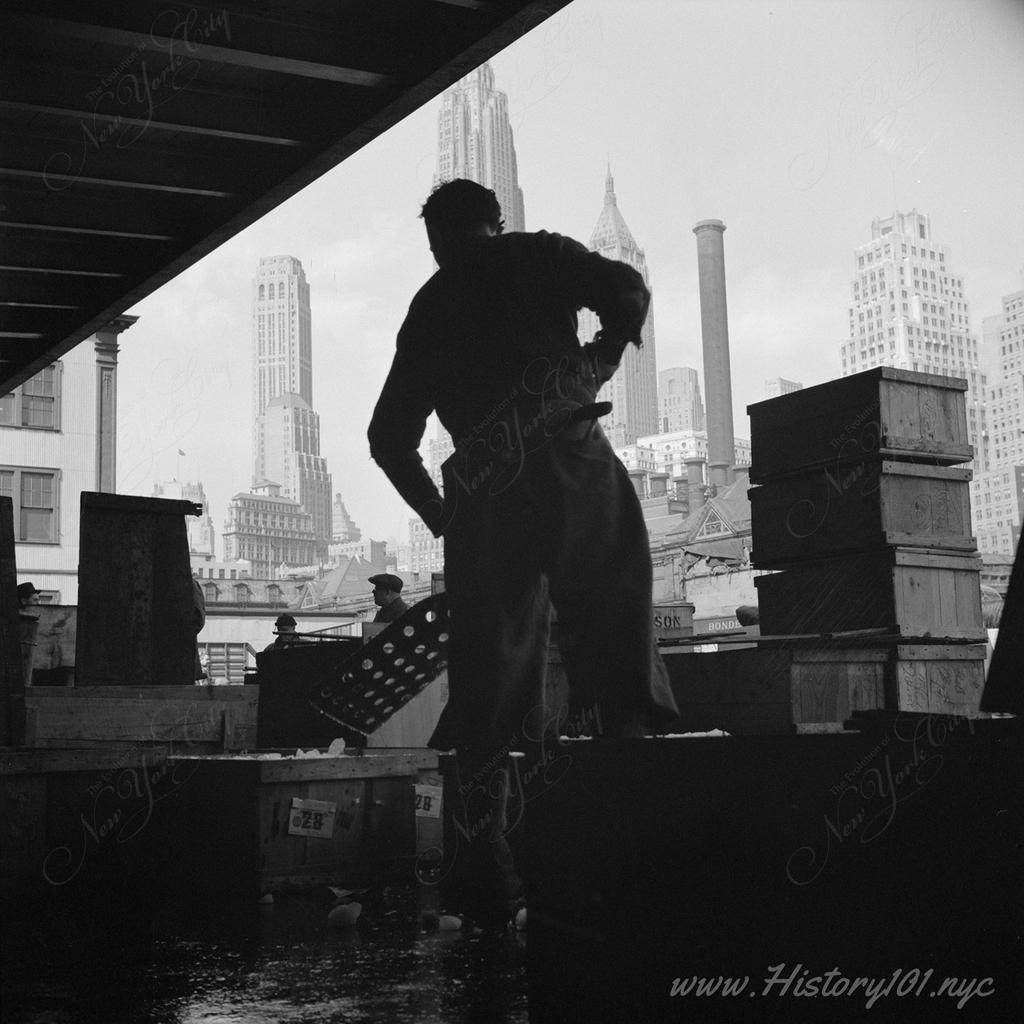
<point>795,122</point>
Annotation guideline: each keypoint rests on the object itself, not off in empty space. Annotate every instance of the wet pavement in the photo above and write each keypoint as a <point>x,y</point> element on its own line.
<point>264,964</point>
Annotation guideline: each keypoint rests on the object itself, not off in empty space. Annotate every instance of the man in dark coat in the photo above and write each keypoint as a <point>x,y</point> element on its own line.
<point>387,595</point>
<point>537,509</point>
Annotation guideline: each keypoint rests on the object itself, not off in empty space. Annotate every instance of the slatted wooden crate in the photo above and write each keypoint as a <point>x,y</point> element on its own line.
<point>198,718</point>
<point>880,413</point>
<point>860,506</point>
<point>829,684</point>
<point>909,592</point>
<point>245,825</point>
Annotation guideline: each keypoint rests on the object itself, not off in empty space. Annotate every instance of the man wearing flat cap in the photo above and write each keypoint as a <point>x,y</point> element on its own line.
<point>284,626</point>
<point>387,595</point>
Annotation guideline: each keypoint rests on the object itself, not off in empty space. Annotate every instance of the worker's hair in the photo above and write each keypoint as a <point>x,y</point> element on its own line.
<point>463,202</point>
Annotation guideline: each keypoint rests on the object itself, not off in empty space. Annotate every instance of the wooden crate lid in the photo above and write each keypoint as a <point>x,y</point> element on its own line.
<point>822,395</point>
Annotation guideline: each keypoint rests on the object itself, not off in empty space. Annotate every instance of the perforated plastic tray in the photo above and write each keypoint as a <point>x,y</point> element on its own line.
<point>385,674</point>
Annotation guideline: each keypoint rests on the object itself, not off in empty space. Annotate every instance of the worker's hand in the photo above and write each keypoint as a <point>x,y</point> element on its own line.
<point>610,342</point>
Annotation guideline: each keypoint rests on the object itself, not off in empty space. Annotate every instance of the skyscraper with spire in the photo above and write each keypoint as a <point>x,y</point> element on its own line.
<point>474,140</point>
<point>286,429</point>
<point>633,391</point>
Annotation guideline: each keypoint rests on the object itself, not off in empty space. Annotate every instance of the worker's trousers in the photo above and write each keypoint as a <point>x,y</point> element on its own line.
<point>564,530</point>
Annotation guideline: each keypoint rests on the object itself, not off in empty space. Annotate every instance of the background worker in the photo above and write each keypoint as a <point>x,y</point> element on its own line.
<point>387,595</point>
<point>284,626</point>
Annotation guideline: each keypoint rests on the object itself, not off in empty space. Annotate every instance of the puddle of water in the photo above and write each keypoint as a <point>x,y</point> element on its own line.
<point>274,964</point>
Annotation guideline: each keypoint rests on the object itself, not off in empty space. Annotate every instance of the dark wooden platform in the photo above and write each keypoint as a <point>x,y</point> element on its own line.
<point>665,859</point>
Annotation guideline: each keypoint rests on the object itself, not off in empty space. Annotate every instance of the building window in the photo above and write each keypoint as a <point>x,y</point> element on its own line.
<point>36,404</point>
<point>36,494</point>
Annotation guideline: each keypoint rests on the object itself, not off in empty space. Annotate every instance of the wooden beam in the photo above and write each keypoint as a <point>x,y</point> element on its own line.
<point>434,70</point>
<point>205,51</point>
<point>66,229</point>
<point>145,123</point>
<point>71,179</point>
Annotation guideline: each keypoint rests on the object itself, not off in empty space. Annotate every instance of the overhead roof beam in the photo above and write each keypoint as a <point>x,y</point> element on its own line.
<point>148,186</point>
<point>145,123</point>
<point>66,229</point>
<point>208,51</point>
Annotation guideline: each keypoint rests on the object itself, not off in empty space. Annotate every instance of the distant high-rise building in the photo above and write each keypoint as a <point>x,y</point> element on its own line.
<point>474,140</point>
<point>909,311</point>
<point>633,391</point>
<point>679,400</point>
<point>780,386</point>
<point>286,429</point>
<point>997,495</point>
<point>282,340</point>
<point>200,530</point>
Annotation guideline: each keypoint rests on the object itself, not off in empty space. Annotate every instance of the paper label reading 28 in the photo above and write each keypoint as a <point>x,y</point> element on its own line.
<point>428,801</point>
<point>312,818</point>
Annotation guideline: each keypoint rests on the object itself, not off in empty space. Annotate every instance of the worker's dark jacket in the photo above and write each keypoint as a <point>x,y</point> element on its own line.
<point>536,505</point>
<point>391,611</point>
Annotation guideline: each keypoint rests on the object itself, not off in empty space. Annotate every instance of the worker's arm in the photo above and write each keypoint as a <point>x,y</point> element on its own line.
<point>612,289</point>
<point>400,419</point>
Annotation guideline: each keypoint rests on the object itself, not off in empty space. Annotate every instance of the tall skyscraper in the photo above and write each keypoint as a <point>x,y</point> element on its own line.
<point>909,311</point>
<point>286,429</point>
<point>1003,348</point>
<point>282,340</point>
<point>679,400</point>
<point>474,140</point>
<point>633,391</point>
<point>997,496</point>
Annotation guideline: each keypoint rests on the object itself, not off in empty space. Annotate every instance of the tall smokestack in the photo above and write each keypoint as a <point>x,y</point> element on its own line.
<point>714,325</point>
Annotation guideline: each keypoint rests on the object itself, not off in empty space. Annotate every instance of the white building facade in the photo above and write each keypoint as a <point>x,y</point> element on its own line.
<point>996,495</point>
<point>58,438</point>
<point>680,404</point>
<point>910,311</point>
<point>669,453</point>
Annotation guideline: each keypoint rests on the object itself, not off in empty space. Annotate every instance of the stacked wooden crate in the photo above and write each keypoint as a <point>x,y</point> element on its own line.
<point>861,507</point>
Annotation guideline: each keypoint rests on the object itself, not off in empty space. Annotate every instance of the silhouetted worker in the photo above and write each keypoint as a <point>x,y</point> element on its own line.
<point>198,621</point>
<point>536,505</point>
<point>284,626</point>
<point>387,595</point>
<point>28,596</point>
